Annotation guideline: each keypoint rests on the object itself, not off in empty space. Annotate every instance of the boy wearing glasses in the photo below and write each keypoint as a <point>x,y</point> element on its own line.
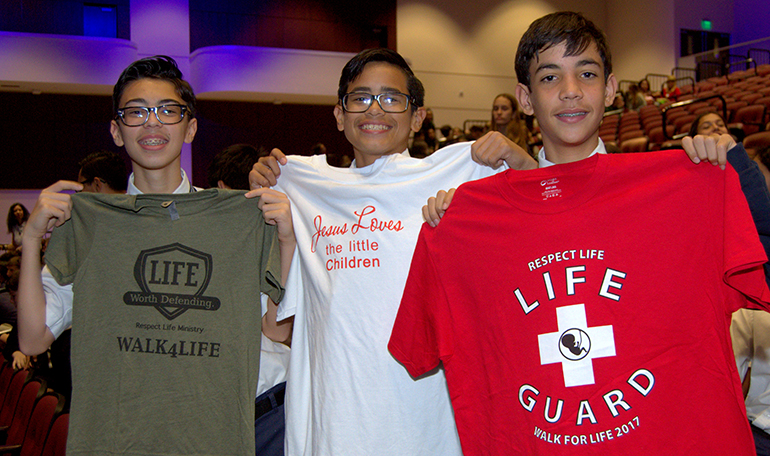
<point>356,229</point>
<point>165,341</point>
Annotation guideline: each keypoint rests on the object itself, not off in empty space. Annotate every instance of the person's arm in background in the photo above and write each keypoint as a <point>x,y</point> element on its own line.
<point>755,190</point>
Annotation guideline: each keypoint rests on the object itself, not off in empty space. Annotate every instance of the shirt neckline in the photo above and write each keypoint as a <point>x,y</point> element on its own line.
<point>513,185</point>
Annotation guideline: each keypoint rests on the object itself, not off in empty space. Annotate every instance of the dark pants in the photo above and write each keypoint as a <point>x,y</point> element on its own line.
<point>270,425</point>
<point>761,441</point>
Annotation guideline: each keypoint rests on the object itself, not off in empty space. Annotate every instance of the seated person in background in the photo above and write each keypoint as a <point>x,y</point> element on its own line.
<point>644,88</point>
<point>618,103</point>
<point>634,98</point>
<point>11,350</point>
<point>16,221</point>
<point>710,123</point>
<point>428,131</point>
<point>103,172</point>
<point>507,119</point>
<point>447,136</point>
<point>670,90</point>
<point>9,264</point>
<point>474,133</point>
<point>419,149</point>
<point>230,168</point>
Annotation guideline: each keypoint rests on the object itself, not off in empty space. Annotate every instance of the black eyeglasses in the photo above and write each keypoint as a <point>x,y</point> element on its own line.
<point>392,102</point>
<point>136,116</point>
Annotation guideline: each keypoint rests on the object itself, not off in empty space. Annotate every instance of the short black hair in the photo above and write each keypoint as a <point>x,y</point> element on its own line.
<point>355,67</point>
<point>233,164</point>
<point>107,166</point>
<point>160,67</point>
<point>563,27</point>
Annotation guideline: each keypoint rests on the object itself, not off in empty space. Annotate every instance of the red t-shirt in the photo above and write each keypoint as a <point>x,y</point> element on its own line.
<point>584,308</point>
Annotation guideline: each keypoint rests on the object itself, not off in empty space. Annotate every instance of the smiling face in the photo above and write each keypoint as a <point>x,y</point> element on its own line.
<point>567,95</point>
<point>376,133</point>
<point>154,148</point>
<point>502,111</point>
<point>711,124</point>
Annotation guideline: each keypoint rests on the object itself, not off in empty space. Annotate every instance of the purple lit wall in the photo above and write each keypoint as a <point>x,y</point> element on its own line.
<point>751,18</point>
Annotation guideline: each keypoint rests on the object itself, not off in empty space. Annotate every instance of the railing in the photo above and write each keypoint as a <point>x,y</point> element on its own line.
<point>681,72</point>
<point>760,56</point>
<point>624,84</point>
<point>717,57</point>
<point>660,80</point>
<point>656,81</point>
<point>708,69</point>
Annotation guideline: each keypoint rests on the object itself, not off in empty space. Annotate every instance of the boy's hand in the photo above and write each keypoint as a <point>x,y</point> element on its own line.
<point>20,361</point>
<point>712,148</point>
<point>51,209</point>
<point>437,205</point>
<point>265,172</point>
<point>276,209</point>
<point>494,148</point>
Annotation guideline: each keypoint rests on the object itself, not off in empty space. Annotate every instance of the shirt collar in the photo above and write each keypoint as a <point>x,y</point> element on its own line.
<point>405,153</point>
<point>184,186</point>
<point>543,162</point>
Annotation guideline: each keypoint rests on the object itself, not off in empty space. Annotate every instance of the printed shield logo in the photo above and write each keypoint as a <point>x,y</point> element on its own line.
<point>172,278</point>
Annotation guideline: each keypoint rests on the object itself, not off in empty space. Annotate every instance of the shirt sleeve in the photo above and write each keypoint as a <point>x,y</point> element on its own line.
<point>755,190</point>
<point>743,253</point>
<point>270,282</point>
<point>742,334</point>
<point>58,304</point>
<point>294,289</point>
<point>417,332</point>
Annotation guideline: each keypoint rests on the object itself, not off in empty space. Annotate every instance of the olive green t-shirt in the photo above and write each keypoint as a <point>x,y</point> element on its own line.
<point>166,320</point>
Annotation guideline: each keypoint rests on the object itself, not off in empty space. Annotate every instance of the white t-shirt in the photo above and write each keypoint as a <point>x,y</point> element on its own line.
<point>356,229</point>
<point>751,344</point>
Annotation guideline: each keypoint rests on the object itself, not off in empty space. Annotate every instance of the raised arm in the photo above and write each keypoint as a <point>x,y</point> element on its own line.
<point>493,149</point>
<point>51,209</point>
<point>265,172</point>
<point>276,209</point>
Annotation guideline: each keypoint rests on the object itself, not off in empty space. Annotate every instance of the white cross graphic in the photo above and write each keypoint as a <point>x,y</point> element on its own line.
<point>589,343</point>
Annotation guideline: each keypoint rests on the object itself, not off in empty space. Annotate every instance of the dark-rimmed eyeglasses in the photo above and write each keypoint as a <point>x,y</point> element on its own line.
<point>392,102</point>
<point>136,116</point>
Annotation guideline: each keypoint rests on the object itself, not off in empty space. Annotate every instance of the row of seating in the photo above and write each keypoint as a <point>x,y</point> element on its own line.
<point>33,420</point>
<point>743,103</point>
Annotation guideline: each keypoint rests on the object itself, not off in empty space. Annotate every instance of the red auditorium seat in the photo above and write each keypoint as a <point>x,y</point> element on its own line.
<point>752,117</point>
<point>33,389</point>
<point>630,135</point>
<point>732,107</point>
<point>47,408</point>
<point>634,144</point>
<point>682,124</point>
<point>657,137</point>
<point>757,140</point>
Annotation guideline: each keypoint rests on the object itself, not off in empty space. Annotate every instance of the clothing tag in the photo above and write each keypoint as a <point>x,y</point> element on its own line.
<point>172,212</point>
<point>550,188</point>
